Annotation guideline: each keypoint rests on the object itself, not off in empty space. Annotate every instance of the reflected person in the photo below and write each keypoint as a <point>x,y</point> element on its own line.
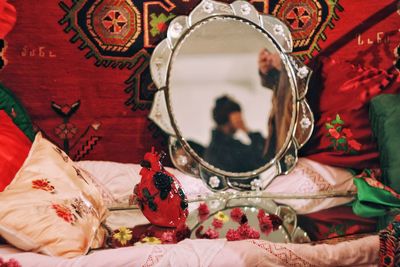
<point>233,147</point>
<point>273,76</point>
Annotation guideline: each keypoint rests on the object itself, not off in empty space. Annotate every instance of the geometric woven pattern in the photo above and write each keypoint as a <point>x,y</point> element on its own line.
<point>120,33</point>
<point>307,20</point>
<point>123,33</point>
<point>109,29</point>
<point>281,255</point>
<point>98,51</point>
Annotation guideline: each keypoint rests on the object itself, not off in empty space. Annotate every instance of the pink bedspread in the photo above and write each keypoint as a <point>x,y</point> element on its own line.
<point>118,181</point>
<point>361,252</point>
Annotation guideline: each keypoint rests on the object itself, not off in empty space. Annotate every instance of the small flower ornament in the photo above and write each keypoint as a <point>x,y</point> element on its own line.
<point>341,138</point>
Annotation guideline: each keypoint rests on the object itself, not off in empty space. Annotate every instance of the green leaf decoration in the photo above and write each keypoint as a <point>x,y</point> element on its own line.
<point>184,205</point>
<point>181,193</point>
<point>353,152</point>
<point>341,143</point>
<point>346,147</point>
<point>339,120</point>
<point>152,206</point>
<point>340,232</point>
<point>146,193</point>
<point>368,172</point>
<point>163,194</point>
<point>329,126</point>
<point>158,23</point>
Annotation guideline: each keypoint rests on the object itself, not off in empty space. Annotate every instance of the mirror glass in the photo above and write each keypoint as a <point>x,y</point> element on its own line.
<point>230,97</point>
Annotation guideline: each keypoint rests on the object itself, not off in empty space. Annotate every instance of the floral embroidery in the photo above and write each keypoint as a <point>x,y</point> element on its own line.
<point>81,207</point>
<point>66,131</point>
<point>281,254</point>
<point>61,153</point>
<point>341,138</point>
<point>339,230</point>
<point>64,212</point>
<point>159,23</point>
<point>76,207</point>
<point>123,235</point>
<point>370,178</point>
<point>79,174</point>
<point>43,184</point>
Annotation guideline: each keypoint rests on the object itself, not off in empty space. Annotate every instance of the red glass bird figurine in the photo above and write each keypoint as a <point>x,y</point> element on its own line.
<point>159,193</point>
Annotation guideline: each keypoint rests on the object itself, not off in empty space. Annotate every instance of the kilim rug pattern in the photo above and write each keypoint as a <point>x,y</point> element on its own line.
<point>81,66</point>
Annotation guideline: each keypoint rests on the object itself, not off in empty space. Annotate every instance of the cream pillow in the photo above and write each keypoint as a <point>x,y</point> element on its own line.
<point>51,206</point>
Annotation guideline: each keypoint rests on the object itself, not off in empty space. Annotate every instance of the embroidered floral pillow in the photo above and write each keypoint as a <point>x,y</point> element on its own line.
<point>343,135</point>
<point>51,206</point>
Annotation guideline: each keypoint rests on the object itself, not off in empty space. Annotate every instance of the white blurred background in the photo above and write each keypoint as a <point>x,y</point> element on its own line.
<point>220,58</point>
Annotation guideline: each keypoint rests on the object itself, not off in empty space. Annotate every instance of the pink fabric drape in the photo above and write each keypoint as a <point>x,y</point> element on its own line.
<point>215,253</point>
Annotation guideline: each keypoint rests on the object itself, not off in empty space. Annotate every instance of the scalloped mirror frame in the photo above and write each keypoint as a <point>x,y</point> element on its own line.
<point>279,34</point>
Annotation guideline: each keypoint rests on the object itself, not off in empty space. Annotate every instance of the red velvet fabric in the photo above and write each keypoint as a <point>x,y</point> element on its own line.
<point>14,148</point>
<point>335,222</point>
<point>344,93</point>
<point>365,33</point>
<point>8,16</point>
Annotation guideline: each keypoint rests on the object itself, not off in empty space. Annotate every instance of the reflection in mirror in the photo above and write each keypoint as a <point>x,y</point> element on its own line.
<point>230,95</point>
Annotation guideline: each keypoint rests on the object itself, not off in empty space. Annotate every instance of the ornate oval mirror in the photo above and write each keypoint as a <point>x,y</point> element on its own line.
<point>231,96</point>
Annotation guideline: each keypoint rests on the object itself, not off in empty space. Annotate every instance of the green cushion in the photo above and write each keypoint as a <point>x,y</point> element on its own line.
<point>16,111</point>
<point>385,121</point>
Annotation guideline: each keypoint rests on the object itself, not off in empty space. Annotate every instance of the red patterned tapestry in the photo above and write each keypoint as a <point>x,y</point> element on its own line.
<point>80,67</point>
